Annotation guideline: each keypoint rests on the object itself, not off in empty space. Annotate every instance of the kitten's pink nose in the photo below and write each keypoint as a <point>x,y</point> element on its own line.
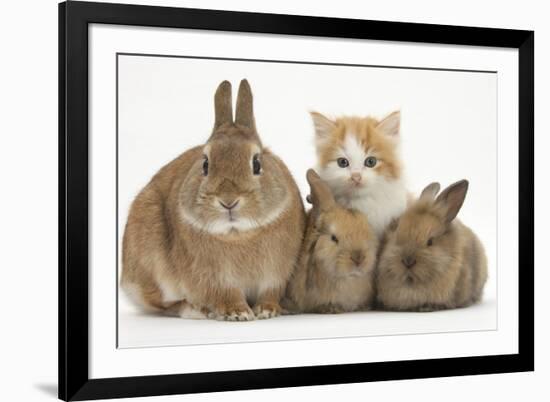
<point>356,178</point>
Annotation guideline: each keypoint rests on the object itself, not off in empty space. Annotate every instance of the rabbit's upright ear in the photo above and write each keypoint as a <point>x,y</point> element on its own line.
<point>222,105</point>
<point>244,113</point>
<point>321,196</point>
<point>430,191</point>
<point>452,198</point>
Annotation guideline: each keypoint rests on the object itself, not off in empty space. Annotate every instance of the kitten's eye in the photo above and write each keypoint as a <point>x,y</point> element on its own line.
<point>430,241</point>
<point>371,161</point>
<point>342,162</point>
<point>334,239</point>
<point>205,166</point>
<point>256,165</point>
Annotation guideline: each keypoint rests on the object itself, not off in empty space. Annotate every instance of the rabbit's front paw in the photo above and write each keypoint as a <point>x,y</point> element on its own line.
<point>267,310</point>
<point>237,312</point>
<point>426,308</point>
<point>330,309</point>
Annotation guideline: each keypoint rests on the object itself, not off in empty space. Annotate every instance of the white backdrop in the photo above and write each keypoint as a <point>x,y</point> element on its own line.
<point>449,132</point>
<point>29,130</point>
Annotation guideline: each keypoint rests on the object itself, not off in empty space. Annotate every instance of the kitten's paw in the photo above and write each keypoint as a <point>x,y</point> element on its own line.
<point>267,310</point>
<point>235,313</point>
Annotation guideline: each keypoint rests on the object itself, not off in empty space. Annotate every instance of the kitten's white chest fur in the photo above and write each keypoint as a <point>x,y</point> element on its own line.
<point>381,202</point>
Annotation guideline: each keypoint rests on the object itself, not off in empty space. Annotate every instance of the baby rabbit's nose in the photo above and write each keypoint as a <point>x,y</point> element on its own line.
<point>357,257</point>
<point>409,261</point>
<point>229,204</point>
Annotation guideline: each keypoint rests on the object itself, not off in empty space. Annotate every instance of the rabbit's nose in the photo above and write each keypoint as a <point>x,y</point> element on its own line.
<point>357,257</point>
<point>409,261</point>
<point>229,205</point>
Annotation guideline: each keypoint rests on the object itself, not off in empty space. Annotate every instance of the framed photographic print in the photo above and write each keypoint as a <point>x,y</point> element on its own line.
<point>258,201</point>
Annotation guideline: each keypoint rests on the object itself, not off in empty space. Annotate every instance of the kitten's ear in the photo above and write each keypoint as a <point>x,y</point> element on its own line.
<point>323,127</point>
<point>452,199</point>
<point>391,124</point>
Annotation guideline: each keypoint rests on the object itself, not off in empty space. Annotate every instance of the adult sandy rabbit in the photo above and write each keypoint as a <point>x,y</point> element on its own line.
<point>217,231</point>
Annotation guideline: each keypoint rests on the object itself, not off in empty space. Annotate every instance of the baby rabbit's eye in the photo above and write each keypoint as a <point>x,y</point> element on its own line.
<point>205,166</point>
<point>342,162</point>
<point>334,239</point>
<point>256,165</point>
<point>371,161</point>
<point>430,241</point>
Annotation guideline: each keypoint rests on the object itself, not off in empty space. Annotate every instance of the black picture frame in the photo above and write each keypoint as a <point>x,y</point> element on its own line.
<point>74,18</point>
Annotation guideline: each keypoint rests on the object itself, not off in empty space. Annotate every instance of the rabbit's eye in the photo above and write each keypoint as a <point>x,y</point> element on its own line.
<point>371,161</point>
<point>430,241</point>
<point>205,166</point>
<point>334,239</point>
<point>342,162</point>
<point>256,165</point>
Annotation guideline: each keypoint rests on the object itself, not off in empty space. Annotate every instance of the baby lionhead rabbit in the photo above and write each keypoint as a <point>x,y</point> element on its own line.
<point>217,231</point>
<point>430,260</point>
<point>335,269</point>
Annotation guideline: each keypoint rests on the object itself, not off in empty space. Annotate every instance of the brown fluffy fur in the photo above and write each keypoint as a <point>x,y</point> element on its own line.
<point>448,267</point>
<point>176,262</point>
<point>333,276</point>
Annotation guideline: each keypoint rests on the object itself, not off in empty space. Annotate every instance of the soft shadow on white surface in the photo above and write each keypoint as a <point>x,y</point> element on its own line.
<point>48,389</point>
<point>141,330</point>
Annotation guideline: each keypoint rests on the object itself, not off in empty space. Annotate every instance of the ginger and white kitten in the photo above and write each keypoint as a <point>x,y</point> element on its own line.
<point>358,157</point>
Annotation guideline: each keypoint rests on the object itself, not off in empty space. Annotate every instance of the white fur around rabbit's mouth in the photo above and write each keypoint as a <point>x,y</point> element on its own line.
<point>233,222</point>
<point>350,274</point>
<point>230,223</point>
<point>231,216</point>
<point>357,274</point>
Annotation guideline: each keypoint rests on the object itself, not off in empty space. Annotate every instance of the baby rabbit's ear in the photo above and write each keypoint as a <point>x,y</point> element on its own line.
<point>393,224</point>
<point>244,113</point>
<point>222,105</point>
<point>321,196</point>
<point>430,191</point>
<point>452,198</point>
